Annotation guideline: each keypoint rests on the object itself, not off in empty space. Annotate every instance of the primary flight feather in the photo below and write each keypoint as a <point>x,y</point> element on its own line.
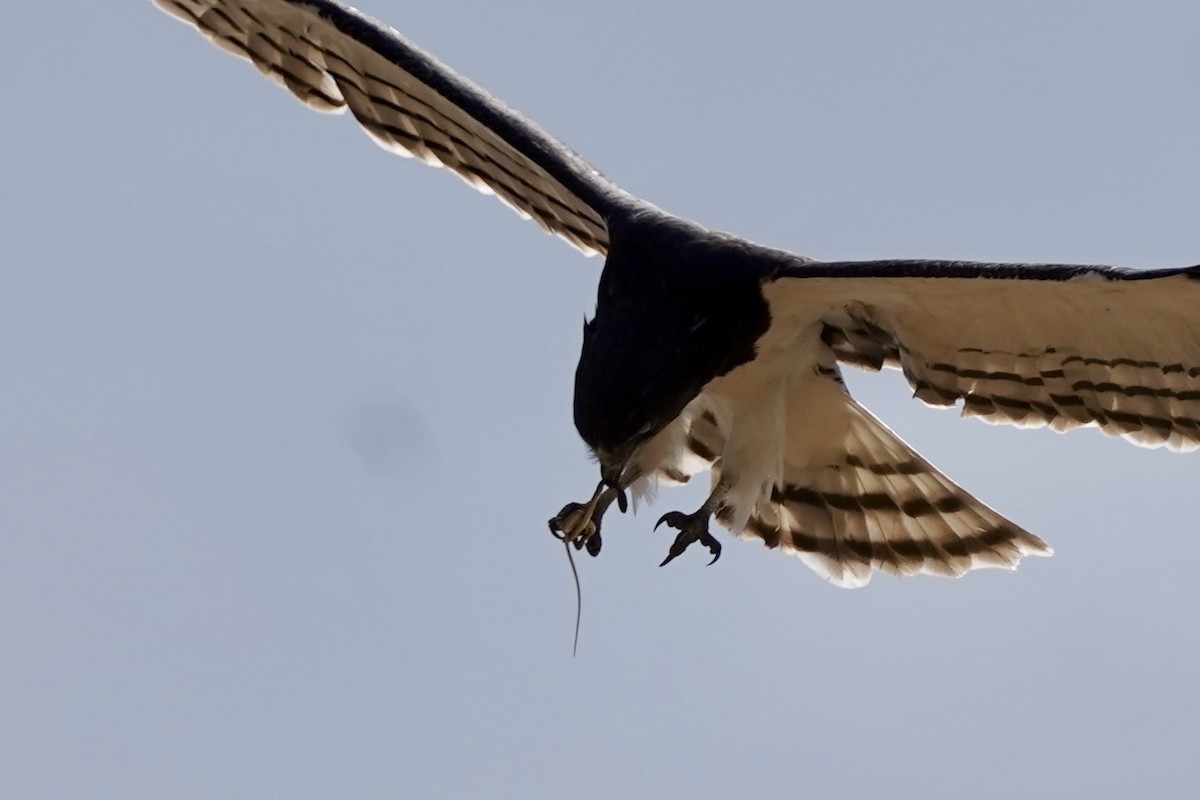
<point>710,352</point>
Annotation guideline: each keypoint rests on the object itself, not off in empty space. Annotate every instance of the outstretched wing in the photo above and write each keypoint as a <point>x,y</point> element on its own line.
<point>1057,346</point>
<point>331,57</point>
<point>1047,345</point>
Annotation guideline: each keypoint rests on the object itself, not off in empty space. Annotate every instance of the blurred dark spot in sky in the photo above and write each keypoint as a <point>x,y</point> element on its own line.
<point>390,437</point>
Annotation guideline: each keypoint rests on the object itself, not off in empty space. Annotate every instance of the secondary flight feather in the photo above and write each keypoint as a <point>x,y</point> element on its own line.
<point>711,353</point>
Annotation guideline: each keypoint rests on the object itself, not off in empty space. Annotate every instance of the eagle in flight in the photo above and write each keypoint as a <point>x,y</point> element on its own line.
<point>710,352</point>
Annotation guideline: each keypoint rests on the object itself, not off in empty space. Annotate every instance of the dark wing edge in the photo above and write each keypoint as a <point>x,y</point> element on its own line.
<point>1062,346</point>
<point>332,57</point>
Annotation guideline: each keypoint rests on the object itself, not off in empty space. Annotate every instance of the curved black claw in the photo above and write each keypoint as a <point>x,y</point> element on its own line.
<point>591,535</point>
<point>692,528</point>
<point>592,543</point>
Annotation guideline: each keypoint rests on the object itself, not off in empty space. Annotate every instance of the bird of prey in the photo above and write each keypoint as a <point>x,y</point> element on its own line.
<point>708,352</point>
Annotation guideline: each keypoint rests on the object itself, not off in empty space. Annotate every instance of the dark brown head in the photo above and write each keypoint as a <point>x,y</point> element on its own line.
<point>669,319</point>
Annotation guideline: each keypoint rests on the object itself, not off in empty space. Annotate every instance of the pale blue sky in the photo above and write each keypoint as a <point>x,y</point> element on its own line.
<point>283,417</point>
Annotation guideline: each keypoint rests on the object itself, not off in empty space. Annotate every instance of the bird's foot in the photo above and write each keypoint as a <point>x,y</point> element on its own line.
<point>692,528</point>
<point>579,523</point>
<point>574,525</point>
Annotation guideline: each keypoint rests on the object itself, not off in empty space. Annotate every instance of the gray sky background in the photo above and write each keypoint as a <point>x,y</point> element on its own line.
<point>282,417</point>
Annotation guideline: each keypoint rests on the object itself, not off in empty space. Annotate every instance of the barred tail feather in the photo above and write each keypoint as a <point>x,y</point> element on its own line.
<point>881,506</point>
